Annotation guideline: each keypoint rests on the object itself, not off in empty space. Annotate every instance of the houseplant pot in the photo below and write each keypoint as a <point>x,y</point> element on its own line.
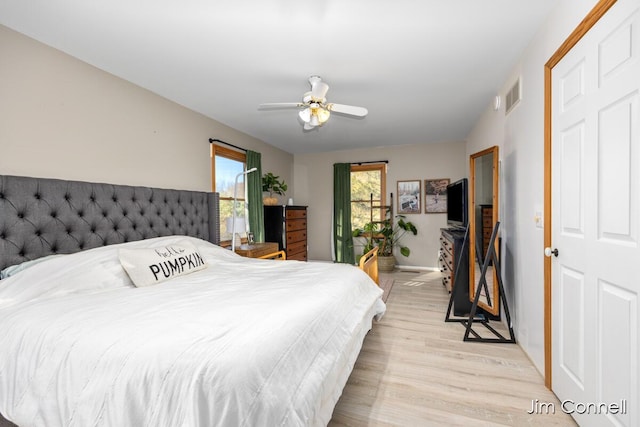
<point>270,201</point>
<point>386,235</point>
<point>386,263</point>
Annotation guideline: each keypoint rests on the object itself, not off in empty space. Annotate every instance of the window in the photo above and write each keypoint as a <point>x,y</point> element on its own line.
<point>225,165</point>
<point>367,191</point>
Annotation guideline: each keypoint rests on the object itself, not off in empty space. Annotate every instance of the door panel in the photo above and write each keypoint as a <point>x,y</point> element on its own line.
<point>595,220</point>
<point>618,347</point>
<point>617,188</point>
<point>572,321</point>
<point>571,182</point>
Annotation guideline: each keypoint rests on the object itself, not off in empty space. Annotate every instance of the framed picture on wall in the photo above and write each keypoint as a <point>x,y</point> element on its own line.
<point>409,195</point>
<point>435,195</point>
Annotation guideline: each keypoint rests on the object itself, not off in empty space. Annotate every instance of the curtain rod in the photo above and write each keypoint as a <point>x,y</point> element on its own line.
<point>374,161</point>
<point>211,141</point>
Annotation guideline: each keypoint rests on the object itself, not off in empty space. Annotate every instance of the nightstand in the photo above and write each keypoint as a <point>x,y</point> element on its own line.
<point>256,250</point>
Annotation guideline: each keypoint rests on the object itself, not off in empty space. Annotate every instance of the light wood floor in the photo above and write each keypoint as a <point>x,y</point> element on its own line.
<point>415,370</point>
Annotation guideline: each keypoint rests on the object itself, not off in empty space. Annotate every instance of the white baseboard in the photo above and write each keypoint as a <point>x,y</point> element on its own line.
<point>399,267</point>
<point>416,268</point>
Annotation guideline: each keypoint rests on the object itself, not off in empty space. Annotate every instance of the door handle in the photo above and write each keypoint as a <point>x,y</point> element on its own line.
<point>548,252</point>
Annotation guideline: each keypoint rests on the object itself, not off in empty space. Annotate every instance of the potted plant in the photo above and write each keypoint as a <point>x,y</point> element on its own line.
<point>272,184</point>
<point>386,235</point>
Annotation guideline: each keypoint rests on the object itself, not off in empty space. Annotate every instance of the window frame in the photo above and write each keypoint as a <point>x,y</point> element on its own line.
<point>217,150</point>
<point>369,167</point>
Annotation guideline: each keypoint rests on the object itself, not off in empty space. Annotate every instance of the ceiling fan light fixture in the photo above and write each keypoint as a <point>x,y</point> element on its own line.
<point>316,111</point>
<point>323,115</point>
<point>319,88</point>
<point>305,115</point>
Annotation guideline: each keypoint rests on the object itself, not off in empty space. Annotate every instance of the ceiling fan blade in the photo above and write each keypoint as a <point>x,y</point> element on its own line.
<point>348,109</point>
<point>281,105</point>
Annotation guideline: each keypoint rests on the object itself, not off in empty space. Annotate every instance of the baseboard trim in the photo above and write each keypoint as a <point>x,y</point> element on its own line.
<point>416,267</point>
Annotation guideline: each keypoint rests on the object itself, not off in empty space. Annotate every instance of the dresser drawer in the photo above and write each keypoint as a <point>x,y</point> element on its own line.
<point>446,245</point>
<point>297,251</point>
<point>296,236</point>
<point>446,282</point>
<point>296,224</point>
<point>446,269</point>
<point>296,213</point>
<point>295,247</point>
<point>447,265</point>
<point>300,256</point>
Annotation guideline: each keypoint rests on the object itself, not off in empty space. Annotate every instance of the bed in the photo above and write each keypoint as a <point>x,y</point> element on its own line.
<point>91,334</point>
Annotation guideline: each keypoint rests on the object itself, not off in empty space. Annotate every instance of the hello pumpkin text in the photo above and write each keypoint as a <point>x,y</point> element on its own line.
<point>177,265</point>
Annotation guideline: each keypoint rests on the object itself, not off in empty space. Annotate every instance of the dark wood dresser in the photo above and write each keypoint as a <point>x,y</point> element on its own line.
<point>486,216</point>
<point>454,258</point>
<point>287,225</point>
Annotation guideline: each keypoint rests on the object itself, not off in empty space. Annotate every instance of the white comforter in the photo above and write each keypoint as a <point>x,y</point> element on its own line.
<point>244,342</point>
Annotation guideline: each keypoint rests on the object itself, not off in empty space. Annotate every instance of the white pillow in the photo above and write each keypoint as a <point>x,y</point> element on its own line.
<point>15,269</point>
<point>154,265</point>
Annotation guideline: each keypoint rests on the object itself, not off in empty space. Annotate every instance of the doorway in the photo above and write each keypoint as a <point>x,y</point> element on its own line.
<point>592,187</point>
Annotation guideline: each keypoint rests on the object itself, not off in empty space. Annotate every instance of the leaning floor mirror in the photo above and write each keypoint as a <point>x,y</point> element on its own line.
<point>483,215</point>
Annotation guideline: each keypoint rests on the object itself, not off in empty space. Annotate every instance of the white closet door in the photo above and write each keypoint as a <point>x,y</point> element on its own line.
<point>595,196</point>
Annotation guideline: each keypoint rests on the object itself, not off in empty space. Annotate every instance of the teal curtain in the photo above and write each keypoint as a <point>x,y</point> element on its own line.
<point>342,234</point>
<point>254,196</point>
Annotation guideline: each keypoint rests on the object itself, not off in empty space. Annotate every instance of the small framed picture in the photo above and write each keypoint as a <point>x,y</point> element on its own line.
<point>435,195</point>
<point>250,239</point>
<point>409,194</point>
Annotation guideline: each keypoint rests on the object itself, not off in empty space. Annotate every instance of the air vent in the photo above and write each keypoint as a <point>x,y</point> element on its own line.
<point>513,96</point>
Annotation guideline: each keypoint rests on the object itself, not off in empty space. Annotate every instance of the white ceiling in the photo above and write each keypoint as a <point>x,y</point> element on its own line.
<point>425,69</point>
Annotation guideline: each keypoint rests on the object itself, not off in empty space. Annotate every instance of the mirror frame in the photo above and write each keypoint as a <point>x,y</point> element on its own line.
<point>494,309</point>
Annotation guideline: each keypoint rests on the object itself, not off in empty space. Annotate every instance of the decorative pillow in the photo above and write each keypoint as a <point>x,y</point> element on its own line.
<point>154,265</point>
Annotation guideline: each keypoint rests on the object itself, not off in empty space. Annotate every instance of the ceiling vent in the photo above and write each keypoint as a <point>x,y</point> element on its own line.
<point>513,96</point>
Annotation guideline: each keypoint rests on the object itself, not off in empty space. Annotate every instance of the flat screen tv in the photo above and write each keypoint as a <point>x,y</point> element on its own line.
<point>457,199</point>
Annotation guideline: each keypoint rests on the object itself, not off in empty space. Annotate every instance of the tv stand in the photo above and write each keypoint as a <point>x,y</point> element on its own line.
<point>454,263</point>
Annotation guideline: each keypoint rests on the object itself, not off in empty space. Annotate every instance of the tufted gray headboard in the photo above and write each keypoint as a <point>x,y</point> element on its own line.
<point>40,216</point>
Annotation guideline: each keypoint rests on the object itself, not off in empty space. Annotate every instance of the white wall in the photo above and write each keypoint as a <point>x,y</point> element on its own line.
<point>62,118</point>
<point>313,174</point>
<point>521,140</point>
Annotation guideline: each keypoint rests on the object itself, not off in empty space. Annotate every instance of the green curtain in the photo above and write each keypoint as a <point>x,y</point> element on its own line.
<point>254,196</point>
<point>342,234</point>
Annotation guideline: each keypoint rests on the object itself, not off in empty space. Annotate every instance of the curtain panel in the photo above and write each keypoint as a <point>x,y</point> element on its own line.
<point>254,196</point>
<point>342,234</point>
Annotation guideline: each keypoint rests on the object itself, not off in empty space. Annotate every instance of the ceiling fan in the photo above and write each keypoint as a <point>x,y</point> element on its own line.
<point>315,108</point>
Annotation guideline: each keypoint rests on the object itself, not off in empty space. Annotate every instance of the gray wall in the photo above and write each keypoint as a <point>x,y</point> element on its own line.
<point>62,118</point>
<point>313,174</point>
